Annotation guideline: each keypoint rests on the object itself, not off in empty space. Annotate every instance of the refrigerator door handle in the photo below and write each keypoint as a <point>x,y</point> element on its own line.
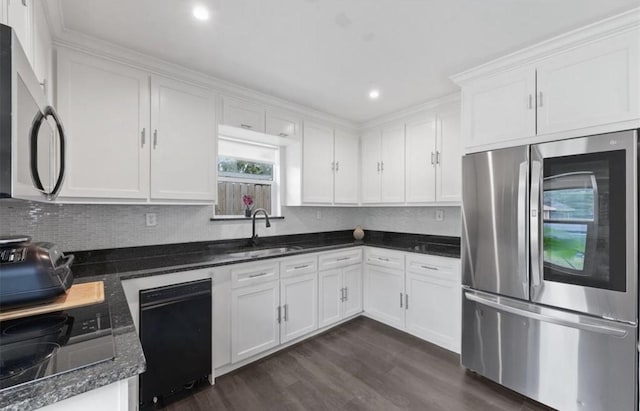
<point>535,227</point>
<point>504,306</point>
<point>522,224</point>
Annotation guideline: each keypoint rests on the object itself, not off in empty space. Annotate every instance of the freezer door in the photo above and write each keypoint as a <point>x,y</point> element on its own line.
<point>495,256</point>
<point>565,360</point>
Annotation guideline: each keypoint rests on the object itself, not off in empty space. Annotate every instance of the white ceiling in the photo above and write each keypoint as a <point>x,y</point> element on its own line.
<point>327,54</point>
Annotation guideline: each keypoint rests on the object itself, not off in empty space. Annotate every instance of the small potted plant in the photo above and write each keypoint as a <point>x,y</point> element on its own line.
<point>247,200</point>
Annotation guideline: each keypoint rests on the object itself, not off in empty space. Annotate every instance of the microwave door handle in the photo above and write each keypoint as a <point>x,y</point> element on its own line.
<point>33,148</point>
<point>535,229</point>
<point>63,154</point>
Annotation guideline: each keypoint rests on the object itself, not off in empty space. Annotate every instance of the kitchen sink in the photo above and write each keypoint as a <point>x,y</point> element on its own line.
<point>262,252</point>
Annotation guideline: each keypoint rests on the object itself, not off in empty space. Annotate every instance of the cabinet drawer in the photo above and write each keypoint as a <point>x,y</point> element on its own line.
<point>254,273</point>
<point>385,258</point>
<point>292,267</point>
<point>442,267</point>
<point>340,259</point>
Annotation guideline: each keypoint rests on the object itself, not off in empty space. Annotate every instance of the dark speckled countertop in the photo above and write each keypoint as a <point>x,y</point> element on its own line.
<point>114,265</point>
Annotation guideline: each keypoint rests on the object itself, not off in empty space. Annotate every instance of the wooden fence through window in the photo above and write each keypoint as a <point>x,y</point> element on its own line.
<point>230,197</point>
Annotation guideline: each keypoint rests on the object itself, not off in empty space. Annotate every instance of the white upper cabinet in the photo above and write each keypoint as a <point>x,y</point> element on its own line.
<point>243,114</point>
<point>20,18</point>
<point>500,108</point>
<point>584,82</point>
<point>590,85</point>
<point>346,167</point>
<point>382,165</point>
<point>392,165</point>
<point>421,158</point>
<point>318,164</point>
<point>370,167</point>
<point>282,124</point>
<point>448,155</point>
<point>183,141</point>
<point>132,137</point>
<point>104,107</point>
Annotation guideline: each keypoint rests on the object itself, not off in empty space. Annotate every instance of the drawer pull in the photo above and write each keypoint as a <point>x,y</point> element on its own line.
<point>300,267</point>
<point>428,267</point>
<point>343,258</point>
<point>383,259</point>
<point>258,275</point>
<point>246,126</point>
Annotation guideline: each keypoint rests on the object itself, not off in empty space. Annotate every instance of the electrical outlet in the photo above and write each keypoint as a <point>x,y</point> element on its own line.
<point>439,215</point>
<point>151,219</point>
<point>318,215</point>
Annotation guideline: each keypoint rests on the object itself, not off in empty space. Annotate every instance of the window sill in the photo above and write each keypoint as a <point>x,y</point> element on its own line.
<point>241,218</point>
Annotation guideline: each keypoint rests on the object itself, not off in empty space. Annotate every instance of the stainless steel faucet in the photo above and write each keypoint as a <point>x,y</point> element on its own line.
<point>254,236</point>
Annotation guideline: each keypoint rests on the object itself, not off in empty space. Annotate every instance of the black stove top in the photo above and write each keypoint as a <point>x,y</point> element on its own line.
<point>48,344</point>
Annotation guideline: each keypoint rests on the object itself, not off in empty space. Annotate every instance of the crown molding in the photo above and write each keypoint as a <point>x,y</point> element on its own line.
<point>70,39</point>
<point>416,109</point>
<point>629,20</point>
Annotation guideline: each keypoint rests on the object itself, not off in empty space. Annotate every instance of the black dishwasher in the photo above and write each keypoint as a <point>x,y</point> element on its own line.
<point>175,331</point>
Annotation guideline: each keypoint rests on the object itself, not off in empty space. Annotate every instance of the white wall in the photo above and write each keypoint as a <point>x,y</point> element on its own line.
<point>87,227</point>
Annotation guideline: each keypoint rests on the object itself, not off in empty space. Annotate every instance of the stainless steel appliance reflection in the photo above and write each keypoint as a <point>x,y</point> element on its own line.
<point>549,268</point>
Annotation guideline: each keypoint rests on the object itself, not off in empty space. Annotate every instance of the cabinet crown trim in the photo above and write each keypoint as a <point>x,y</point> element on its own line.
<point>629,20</point>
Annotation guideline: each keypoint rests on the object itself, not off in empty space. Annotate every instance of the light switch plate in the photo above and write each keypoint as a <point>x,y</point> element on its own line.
<point>439,215</point>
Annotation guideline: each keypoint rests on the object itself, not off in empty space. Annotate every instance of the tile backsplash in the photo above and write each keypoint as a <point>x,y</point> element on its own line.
<point>87,227</point>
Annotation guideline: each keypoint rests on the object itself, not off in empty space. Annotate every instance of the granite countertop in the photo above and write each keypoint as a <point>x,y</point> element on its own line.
<point>114,265</point>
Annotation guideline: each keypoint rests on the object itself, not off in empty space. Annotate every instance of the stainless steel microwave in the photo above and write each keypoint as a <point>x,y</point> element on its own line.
<point>32,140</point>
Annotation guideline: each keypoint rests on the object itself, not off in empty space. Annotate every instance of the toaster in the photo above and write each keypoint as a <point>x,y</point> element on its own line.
<point>32,273</point>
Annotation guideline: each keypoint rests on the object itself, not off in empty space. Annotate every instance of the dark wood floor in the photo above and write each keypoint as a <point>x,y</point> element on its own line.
<point>360,365</point>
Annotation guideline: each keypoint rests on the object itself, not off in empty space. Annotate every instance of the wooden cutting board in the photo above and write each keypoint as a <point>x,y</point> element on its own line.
<point>79,295</point>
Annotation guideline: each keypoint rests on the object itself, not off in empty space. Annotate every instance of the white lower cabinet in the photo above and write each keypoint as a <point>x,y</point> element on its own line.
<point>272,303</point>
<point>340,286</point>
<point>254,320</point>
<point>340,293</point>
<point>423,300</point>
<point>299,302</point>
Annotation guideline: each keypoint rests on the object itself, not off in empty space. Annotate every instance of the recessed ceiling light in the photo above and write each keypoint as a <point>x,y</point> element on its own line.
<point>201,13</point>
<point>374,94</point>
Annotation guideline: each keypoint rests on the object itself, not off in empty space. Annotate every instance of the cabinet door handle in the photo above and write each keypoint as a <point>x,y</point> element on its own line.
<point>432,156</point>
<point>540,99</point>
<point>343,258</point>
<point>337,166</point>
<point>246,126</point>
<point>300,267</point>
<point>406,301</point>
<point>143,137</point>
<point>430,267</point>
<point>378,166</point>
<point>283,135</point>
<point>342,295</point>
<point>437,157</point>
<point>258,275</point>
<point>333,166</point>
<point>155,138</point>
<point>286,312</point>
<point>530,103</point>
<point>383,259</point>
<point>382,166</point>
<point>279,316</point>
<point>400,300</point>
<point>346,293</point>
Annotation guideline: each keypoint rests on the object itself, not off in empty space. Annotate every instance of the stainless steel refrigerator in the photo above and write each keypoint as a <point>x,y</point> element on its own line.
<point>549,270</point>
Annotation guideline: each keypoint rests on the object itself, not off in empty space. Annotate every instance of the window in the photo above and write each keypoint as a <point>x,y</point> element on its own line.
<point>248,177</point>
